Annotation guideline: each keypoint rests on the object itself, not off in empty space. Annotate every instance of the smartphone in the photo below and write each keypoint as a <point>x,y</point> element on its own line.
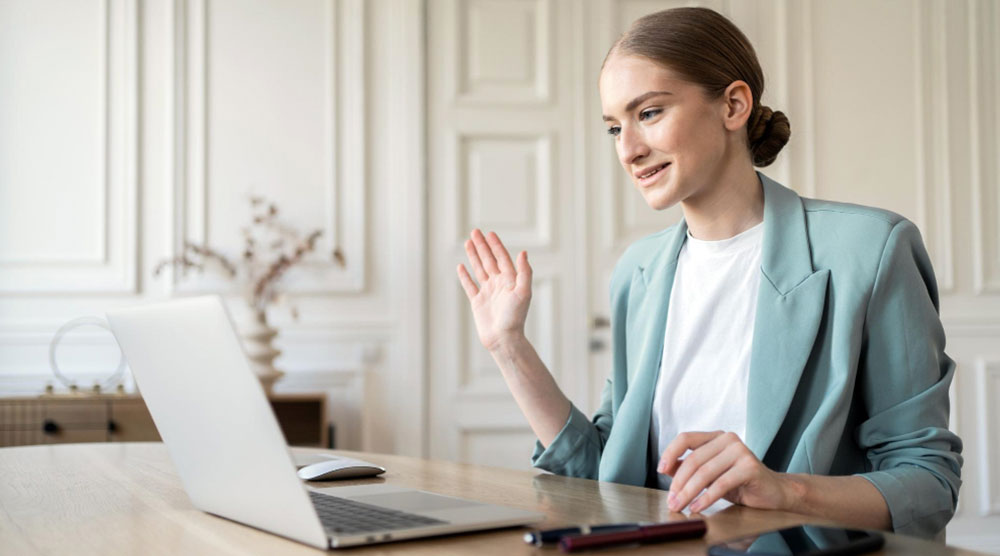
<point>804,540</point>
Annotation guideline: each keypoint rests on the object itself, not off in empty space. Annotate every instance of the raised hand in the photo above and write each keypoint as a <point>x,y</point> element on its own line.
<point>500,300</point>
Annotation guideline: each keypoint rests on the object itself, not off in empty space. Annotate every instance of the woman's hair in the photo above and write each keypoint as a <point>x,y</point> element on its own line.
<point>705,48</point>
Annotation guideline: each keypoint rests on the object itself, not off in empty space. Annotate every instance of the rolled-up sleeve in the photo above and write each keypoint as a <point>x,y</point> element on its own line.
<point>576,450</point>
<point>915,460</point>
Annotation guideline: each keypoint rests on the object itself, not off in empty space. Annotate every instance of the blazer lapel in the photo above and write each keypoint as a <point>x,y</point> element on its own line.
<point>790,304</point>
<point>649,298</point>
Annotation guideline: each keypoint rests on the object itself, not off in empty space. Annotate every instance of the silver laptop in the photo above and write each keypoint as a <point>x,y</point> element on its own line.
<point>230,454</point>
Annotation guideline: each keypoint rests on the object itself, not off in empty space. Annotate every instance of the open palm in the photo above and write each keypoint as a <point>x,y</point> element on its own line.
<point>501,298</point>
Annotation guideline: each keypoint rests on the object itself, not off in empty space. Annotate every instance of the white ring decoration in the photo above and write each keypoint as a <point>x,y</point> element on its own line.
<point>84,321</point>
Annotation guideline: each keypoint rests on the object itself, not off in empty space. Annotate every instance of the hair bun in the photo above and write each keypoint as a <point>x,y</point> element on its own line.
<point>768,132</point>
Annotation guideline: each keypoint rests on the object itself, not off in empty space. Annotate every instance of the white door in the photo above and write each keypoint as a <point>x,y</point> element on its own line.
<point>504,154</point>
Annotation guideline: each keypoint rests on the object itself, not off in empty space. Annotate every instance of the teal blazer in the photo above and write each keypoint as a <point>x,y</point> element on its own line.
<point>848,374</point>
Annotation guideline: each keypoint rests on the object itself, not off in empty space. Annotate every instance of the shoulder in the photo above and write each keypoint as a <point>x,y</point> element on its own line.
<point>638,255</point>
<point>831,213</point>
<point>858,239</point>
<point>855,227</point>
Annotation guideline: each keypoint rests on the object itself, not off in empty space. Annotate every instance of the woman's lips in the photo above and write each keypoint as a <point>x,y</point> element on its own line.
<point>655,176</point>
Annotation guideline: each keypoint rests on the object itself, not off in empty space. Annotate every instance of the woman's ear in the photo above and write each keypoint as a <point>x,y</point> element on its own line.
<point>737,106</point>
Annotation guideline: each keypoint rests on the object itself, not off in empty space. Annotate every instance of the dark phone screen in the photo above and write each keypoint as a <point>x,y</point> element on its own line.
<point>802,541</point>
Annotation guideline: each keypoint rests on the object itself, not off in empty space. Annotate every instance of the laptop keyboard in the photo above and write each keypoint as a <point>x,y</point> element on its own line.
<point>341,516</point>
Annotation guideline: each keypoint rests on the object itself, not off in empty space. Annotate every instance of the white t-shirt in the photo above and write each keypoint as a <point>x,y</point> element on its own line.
<point>702,384</point>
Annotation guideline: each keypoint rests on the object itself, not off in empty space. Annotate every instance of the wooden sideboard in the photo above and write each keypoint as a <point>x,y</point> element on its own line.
<point>61,419</point>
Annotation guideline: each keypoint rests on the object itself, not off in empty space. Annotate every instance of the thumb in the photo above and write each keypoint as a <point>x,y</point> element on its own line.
<point>523,282</point>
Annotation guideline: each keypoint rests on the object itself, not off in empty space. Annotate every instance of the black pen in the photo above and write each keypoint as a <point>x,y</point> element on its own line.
<point>552,536</point>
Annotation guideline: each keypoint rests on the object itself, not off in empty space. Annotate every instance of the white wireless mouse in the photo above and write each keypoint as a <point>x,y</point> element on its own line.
<point>340,468</point>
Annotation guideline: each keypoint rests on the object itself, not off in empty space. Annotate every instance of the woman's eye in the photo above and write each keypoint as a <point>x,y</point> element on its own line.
<point>647,114</point>
<point>614,130</point>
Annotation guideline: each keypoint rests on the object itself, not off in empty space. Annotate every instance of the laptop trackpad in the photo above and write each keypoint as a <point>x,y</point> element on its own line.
<point>414,501</point>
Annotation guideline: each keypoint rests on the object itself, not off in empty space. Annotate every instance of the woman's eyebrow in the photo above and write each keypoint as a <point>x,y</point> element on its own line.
<point>637,101</point>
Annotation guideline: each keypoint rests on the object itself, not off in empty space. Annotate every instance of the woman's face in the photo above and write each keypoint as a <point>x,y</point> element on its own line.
<point>670,139</point>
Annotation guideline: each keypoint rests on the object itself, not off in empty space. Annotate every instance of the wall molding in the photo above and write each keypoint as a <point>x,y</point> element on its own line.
<point>113,268</point>
<point>988,387</point>
<point>802,164</point>
<point>934,176</point>
<point>809,94</point>
<point>579,386</point>
<point>539,93</point>
<point>984,77</point>
<point>344,170</point>
<point>25,350</point>
<point>406,45</point>
<point>540,237</point>
<point>31,330</point>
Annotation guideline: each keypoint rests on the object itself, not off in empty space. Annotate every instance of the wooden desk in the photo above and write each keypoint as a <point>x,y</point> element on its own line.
<point>127,499</point>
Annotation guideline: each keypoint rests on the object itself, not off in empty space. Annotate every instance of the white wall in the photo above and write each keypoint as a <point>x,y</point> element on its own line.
<point>130,126</point>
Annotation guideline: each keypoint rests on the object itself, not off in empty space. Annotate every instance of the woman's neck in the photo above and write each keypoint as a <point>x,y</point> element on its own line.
<point>732,204</point>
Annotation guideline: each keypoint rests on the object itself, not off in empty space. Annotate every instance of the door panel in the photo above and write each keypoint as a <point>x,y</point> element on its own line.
<point>503,92</point>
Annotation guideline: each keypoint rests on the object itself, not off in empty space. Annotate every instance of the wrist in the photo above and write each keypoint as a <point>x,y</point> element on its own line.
<point>795,490</point>
<point>507,343</point>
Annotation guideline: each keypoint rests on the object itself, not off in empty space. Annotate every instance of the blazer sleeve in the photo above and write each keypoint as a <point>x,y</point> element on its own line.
<point>576,450</point>
<point>915,460</point>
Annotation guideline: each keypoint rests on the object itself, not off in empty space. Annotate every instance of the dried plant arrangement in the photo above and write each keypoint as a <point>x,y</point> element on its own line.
<point>271,247</point>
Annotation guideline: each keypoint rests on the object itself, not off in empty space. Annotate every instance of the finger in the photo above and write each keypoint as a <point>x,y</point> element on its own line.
<point>695,460</point>
<point>705,476</point>
<point>489,263</point>
<point>477,265</point>
<point>467,284</point>
<point>726,483</point>
<point>523,284</point>
<point>500,253</point>
<point>670,459</point>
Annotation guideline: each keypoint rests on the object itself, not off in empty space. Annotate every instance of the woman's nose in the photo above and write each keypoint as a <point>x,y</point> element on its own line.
<point>632,147</point>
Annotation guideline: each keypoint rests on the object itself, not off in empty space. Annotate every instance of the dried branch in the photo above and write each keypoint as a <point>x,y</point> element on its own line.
<point>208,253</point>
<point>180,261</point>
<point>262,289</point>
<point>270,249</point>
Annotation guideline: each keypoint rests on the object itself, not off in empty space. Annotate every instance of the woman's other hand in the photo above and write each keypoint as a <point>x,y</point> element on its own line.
<point>500,301</point>
<point>721,463</point>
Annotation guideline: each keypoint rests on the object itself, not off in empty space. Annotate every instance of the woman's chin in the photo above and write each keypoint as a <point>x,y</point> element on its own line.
<point>660,200</point>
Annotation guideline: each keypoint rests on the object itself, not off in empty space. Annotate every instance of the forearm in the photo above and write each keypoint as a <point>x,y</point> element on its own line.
<point>850,500</point>
<point>535,391</point>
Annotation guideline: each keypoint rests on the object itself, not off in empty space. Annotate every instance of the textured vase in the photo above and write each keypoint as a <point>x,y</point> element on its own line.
<point>257,339</point>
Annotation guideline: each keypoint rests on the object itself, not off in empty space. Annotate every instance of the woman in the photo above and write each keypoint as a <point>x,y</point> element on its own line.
<point>792,345</point>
